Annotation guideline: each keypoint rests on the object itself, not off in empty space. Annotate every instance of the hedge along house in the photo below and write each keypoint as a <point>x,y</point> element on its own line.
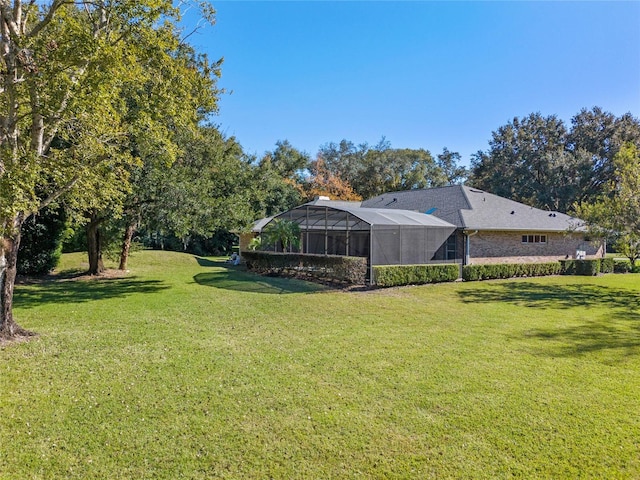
<point>384,236</point>
<point>493,229</point>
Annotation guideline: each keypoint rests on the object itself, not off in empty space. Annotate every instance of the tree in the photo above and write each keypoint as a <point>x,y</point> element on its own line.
<point>278,179</point>
<point>61,111</point>
<point>597,136</point>
<point>535,160</point>
<point>617,213</point>
<point>374,170</point>
<point>322,182</point>
<point>41,241</point>
<point>283,233</point>
<point>345,159</point>
<point>164,111</point>
<point>208,188</point>
<point>526,162</point>
<point>448,162</point>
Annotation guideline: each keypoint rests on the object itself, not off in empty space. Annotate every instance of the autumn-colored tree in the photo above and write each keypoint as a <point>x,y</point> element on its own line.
<point>324,183</point>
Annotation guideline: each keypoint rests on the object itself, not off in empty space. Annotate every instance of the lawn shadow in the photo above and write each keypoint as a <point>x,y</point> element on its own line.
<point>617,330</point>
<point>535,295</point>
<point>82,290</point>
<point>205,262</point>
<point>617,333</point>
<point>241,281</point>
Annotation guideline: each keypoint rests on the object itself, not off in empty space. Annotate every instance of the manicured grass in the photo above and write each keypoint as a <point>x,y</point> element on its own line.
<point>187,368</point>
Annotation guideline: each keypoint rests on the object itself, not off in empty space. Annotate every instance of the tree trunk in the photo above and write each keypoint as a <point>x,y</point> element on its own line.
<point>94,245</point>
<point>9,245</point>
<point>126,246</point>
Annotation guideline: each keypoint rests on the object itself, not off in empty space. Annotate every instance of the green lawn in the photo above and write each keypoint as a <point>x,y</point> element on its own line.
<point>189,369</point>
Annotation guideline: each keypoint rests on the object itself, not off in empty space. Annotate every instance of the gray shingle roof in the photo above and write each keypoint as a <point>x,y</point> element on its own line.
<point>474,209</point>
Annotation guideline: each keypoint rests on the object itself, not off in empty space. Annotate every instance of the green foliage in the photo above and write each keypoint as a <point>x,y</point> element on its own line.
<point>616,214</point>
<point>588,267</point>
<point>374,170</point>
<point>277,180</point>
<point>41,242</point>
<point>509,270</point>
<point>537,161</point>
<point>283,233</point>
<point>607,265</point>
<point>396,275</point>
<point>328,268</point>
<point>621,266</point>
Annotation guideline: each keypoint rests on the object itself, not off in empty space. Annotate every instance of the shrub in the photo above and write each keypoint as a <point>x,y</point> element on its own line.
<point>508,270</point>
<point>331,268</point>
<point>621,266</point>
<point>588,267</point>
<point>41,244</point>
<point>396,275</point>
<point>607,265</point>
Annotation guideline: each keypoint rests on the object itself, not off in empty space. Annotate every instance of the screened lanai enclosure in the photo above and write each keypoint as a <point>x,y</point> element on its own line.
<point>384,236</point>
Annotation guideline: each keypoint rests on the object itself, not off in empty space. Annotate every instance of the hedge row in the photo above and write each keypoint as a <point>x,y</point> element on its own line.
<point>396,275</point>
<point>607,265</point>
<point>509,270</point>
<point>624,266</point>
<point>331,268</point>
<point>588,267</point>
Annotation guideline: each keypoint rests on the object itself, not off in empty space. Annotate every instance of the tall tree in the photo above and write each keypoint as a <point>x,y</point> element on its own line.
<point>535,160</point>
<point>344,159</point>
<point>616,214</point>
<point>63,65</point>
<point>378,169</point>
<point>449,163</point>
<point>279,178</point>
<point>523,162</point>
<point>597,136</point>
<point>322,182</point>
<point>208,188</point>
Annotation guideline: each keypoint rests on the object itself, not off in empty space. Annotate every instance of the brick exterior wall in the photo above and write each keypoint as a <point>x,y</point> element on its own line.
<point>507,247</point>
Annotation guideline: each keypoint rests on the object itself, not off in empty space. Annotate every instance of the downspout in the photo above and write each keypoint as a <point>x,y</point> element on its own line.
<point>467,247</point>
<point>371,278</point>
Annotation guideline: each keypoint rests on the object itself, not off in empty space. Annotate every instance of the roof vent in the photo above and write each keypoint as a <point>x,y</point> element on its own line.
<point>323,197</point>
<point>512,212</point>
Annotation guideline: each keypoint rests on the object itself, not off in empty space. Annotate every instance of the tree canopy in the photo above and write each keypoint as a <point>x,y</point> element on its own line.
<point>616,213</point>
<point>538,161</point>
<point>80,87</point>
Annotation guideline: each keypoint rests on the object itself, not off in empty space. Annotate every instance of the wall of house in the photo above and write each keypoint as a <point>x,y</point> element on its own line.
<point>507,247</point>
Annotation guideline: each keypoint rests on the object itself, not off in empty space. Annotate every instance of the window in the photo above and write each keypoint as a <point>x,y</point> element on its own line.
<point>534,239</point>
<point>451,247</point>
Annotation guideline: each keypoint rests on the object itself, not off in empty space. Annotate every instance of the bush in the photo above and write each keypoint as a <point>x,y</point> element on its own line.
<point>331,268</point>
<point>508,270</point>
<point>41,244</point>
<point>621,266</point>
<point>588,267</point>
<point>607,265</point>
<point>396,275</point>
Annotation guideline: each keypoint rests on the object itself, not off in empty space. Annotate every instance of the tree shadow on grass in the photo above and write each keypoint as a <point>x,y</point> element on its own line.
<point>238,280</point>
<point>79,291</point>
<point>617,330</point>
<point>535,295</point>
<point>205,262</point>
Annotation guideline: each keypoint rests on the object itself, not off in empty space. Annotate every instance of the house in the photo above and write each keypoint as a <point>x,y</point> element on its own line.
<point>453,224</point>
<point>493,229</point>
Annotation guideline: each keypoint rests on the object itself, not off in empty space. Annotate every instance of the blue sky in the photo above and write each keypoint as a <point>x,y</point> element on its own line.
<point>422,74</point>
